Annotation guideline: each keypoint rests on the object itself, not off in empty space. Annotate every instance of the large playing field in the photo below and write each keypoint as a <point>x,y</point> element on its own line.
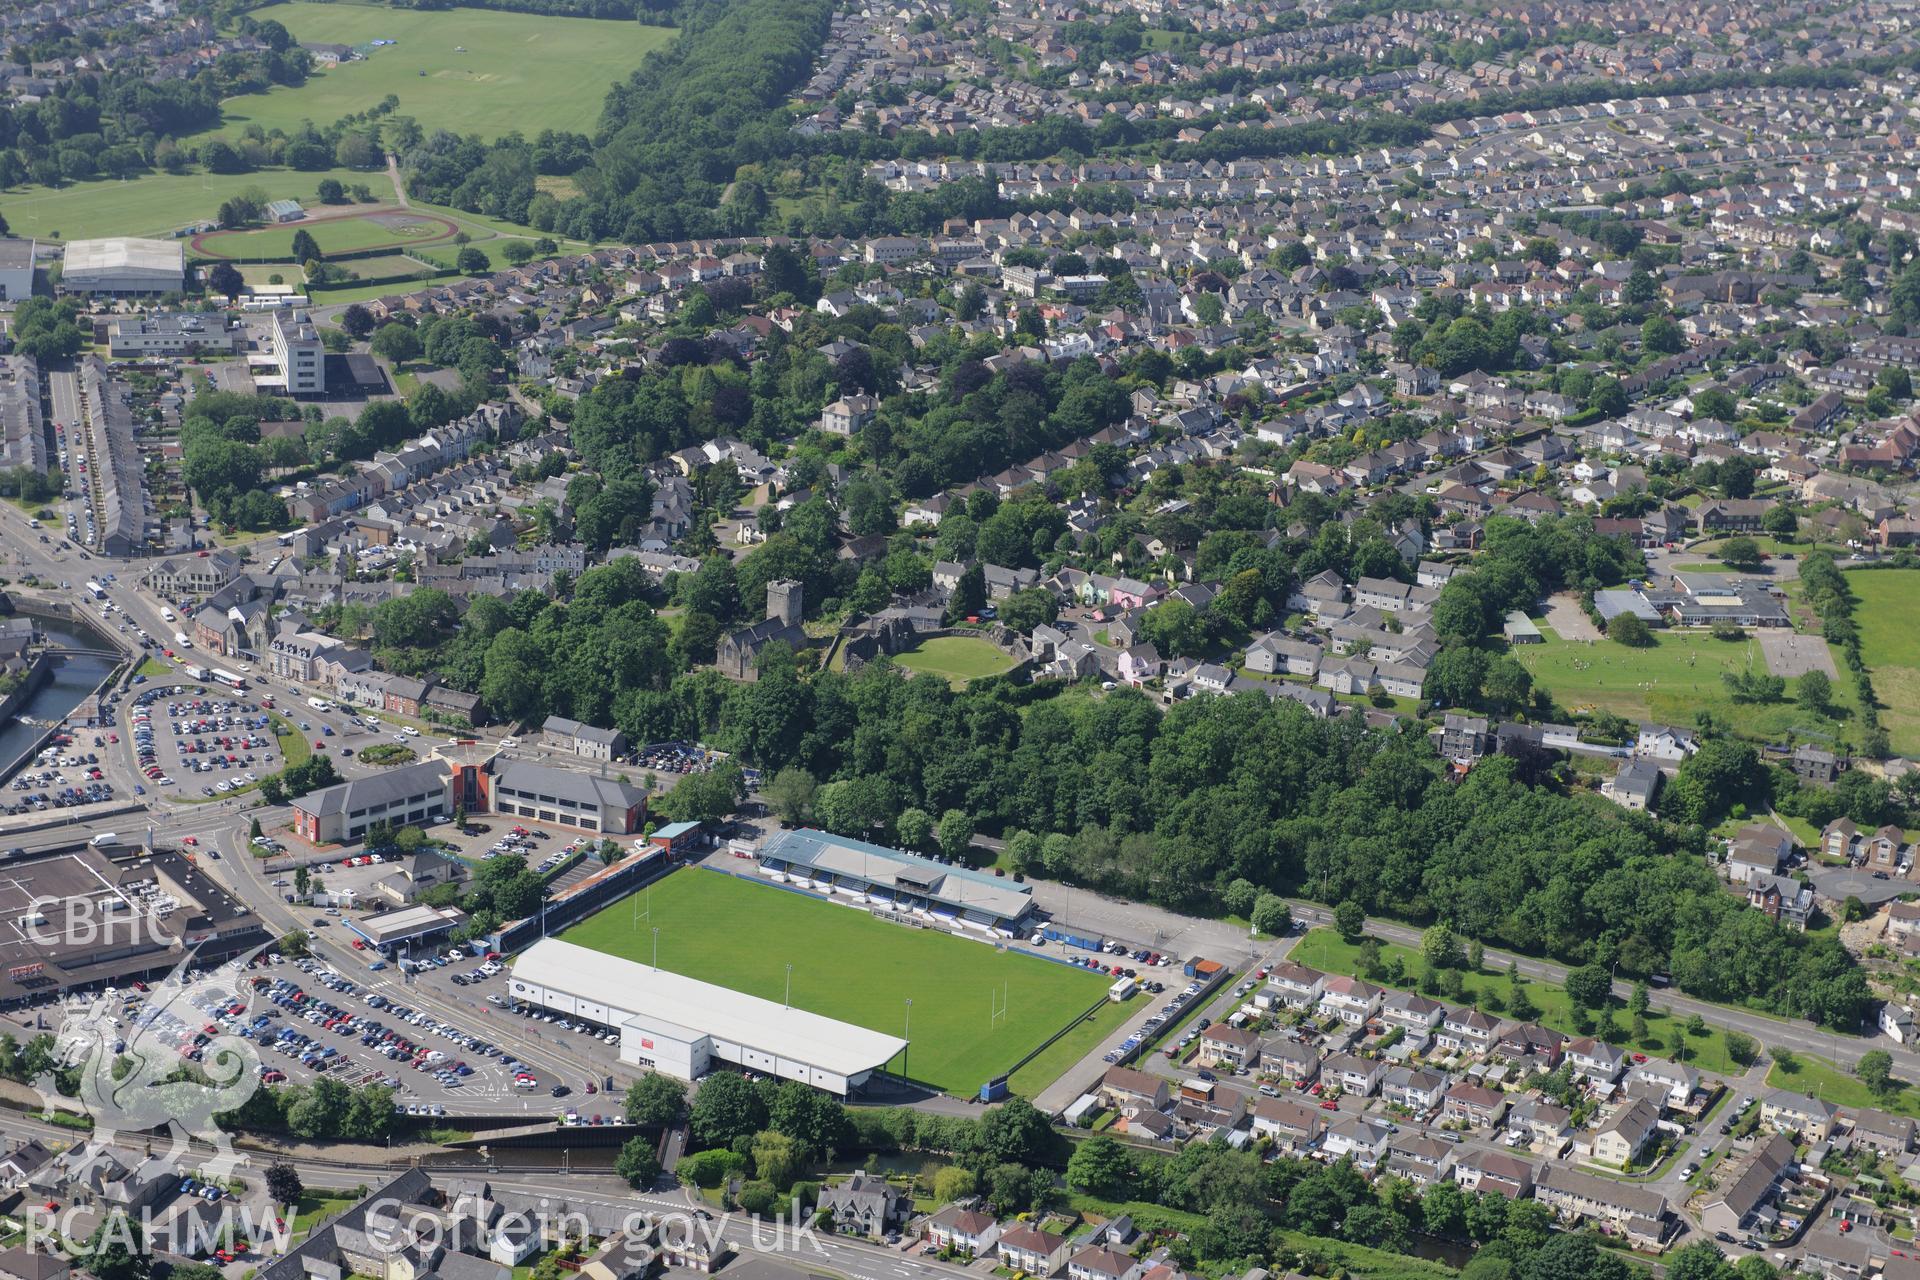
<point>1672,681</point>
<point>850,966</point>
<point>958,658</point>
<point>158,203</point>
<point>396,229</point>
<point>1887,611</point>
<point>468,70</point>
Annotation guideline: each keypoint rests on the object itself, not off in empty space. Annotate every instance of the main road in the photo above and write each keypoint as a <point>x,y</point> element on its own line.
<point>852,1259</point>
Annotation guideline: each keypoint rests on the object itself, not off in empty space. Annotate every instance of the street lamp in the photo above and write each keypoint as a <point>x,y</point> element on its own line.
<point>656,948</point>
<point>788,1001</point>
<point>906,1033</point>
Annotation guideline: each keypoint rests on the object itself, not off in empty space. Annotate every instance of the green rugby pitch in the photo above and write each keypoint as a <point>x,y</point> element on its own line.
<point>850,966</point>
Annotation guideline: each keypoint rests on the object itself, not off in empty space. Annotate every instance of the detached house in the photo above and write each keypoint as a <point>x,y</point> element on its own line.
<point>864,1205</point>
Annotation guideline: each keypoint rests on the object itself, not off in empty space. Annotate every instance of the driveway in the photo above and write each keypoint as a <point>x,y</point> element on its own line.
<point>1841,883</point>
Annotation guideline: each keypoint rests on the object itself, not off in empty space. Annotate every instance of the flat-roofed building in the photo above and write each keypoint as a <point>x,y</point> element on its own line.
<point>407,925</point>
<point>298,353</point>
<point>134,337</point>
<point>16,269</point>
<point>124,264</point>
<point>94,916</point>
<point>682,1027</point>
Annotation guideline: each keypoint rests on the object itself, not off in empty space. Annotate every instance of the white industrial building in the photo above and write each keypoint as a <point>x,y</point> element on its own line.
<point>683,1027</point>
<point>16,269</point>
<point>124,265</point>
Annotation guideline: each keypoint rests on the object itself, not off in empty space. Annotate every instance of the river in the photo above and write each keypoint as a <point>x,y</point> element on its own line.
<point>74,677</point>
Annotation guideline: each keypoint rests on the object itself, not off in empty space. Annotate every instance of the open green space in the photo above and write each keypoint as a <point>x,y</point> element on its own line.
<point>1829,1083</point>
<point>397,230</point>
<point>258,274</point>
<point>1327,951</point>
<point>475,71</point>
<point>1888,615</point>
<point>976,1010</point>
<point>958,658</point>
<point>1887,612</point>
<point>1672,681</point>
<point>383,267</point>
<point>157,204</point>
<point>293,744</point>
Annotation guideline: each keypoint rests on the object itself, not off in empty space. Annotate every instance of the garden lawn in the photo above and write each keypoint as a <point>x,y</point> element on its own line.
<point>158,204</point>
<point>312,1208</point>
<point>1887,612</point>
<point>1672,681</point>
<point>476,71</point>
<point>1825,1081</point>
<point>853,967</point>
<point>1325,950</point>
<point>958,658</point>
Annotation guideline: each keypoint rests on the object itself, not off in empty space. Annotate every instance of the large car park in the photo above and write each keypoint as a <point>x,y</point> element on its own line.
<point>62,776</point>
<point>405,1048</point>
<point>213,744</point>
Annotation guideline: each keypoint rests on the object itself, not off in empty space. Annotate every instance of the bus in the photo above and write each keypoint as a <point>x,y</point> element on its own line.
<point>97,591</point>
<point>285,539</point>
<point>229,679</point>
